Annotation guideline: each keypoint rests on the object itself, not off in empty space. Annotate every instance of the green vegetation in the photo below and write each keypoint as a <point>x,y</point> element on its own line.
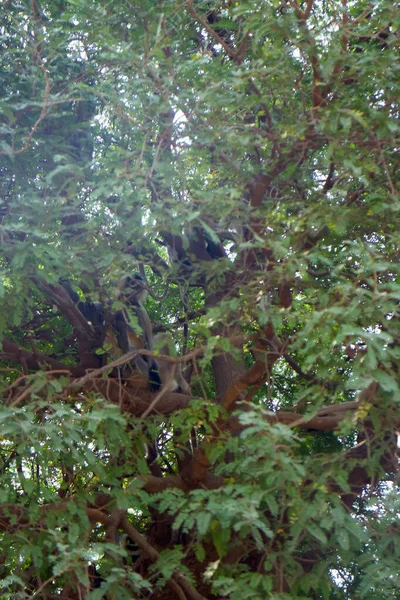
<point>243,157</point>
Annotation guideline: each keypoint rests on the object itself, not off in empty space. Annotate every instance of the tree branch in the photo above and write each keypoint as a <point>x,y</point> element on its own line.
<point>236,56</point>
<point>36,361</point>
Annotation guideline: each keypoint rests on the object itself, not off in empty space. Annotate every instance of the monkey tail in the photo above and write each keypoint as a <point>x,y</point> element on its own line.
<point>154,377</point>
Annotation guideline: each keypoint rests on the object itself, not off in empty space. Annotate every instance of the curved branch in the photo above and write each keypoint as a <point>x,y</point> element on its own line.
<point>36,360</point>
<point>153,554</point>
<point>71,312</point>
<point>261,370</point>
<point>136,401</point>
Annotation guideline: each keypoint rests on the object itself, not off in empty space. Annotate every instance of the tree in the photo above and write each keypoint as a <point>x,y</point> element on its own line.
<point>242,157</point>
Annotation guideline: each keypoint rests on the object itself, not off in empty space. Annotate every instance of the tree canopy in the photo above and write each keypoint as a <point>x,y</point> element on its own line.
<point>239,161</point>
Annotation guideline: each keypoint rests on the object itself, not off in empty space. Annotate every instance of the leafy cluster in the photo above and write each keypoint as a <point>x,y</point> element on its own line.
<point>243,156</point>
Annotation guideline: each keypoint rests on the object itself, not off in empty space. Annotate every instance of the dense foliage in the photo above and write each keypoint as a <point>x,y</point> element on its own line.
<point>243,157</point>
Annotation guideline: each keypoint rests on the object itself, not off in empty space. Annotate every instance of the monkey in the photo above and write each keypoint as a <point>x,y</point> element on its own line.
<point>92,311</point>
<point>133,292</point>
<point>172,380</point>
<point>116,330</point>
<point>170,373</point>
<point>118,334</point>
<point>75,297</point>
<point>134,288</point>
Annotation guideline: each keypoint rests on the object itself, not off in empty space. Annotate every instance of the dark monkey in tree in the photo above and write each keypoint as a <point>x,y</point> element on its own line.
<point>170,373</point>
<point>133,293</point>
<point>118,334</point>
<point>115,329</point>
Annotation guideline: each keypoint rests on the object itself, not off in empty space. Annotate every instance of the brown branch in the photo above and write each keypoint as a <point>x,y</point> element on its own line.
<point>330,385</point>
<point>241,51</point>
<point>235,340</point>
<point>24,394</point>
<point>365,14</point>
<point>86,336</point>
<point>135,401</point>
<point>251,377</point>
<point>195,475</point>
<point>302,15</point>
<point>139,539</point>
<point>322,421</point>
<point>292,420</point>
<point>337,410</point>
<point>297,368</point>
<point>36,361</point>
<point>236,56</point>
<point>95,374</point>
<point>272,350</point>
<point>319,92</point>
<point>326,419</point>
<point>308,9</point>
<point>95,515</point>
<point>329,182</point>
<point>61,297</point>
<point>153,554</point>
